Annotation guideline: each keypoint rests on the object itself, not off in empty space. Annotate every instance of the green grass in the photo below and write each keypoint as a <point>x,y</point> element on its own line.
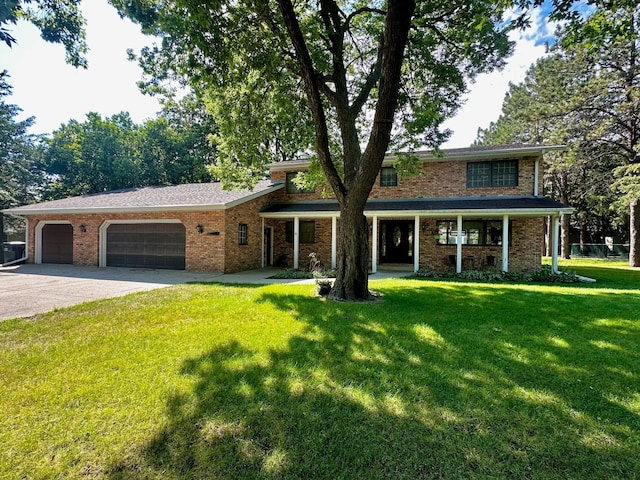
<point>440,379</point>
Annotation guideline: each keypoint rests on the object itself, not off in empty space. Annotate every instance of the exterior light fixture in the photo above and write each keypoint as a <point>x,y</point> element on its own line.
<point>199,228</point>
<point>82,228</point>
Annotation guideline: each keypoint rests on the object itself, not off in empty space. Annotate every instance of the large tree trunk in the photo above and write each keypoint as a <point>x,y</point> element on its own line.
<point>352,281</point>
<point>634,234</point>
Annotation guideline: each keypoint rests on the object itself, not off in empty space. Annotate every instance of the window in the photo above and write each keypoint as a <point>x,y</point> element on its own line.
<point>474,232</point>
<point>307,232</point>
<point>388,177</point>
<point>292,187</point>
<point>242,234</point>
<point>492,174</point>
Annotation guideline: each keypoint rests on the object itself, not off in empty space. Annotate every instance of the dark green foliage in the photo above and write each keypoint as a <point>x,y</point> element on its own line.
<point>59,21</point>
<point>114,153</point>
<point>544,274</point>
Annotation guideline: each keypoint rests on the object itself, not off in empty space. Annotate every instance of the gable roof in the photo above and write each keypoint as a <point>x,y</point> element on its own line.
<point>190,196</point>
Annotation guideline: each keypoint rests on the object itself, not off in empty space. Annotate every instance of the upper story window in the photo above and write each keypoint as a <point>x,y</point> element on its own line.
<point>292,187</point>
<point>242,234</point>
<point>503,173</point>
<point>388,177</point>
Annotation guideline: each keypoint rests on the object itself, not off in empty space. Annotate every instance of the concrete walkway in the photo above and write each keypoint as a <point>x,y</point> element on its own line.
<point>26,290</point>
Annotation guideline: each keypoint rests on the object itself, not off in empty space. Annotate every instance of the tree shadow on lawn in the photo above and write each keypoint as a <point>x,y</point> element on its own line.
<point>436,381</point>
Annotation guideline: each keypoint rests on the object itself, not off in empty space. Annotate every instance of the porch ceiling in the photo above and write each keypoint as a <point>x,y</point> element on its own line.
<point>529,206</point>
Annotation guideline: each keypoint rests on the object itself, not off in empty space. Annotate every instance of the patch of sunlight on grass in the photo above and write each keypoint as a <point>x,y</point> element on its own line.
<point>296,387</point>
<point>394,405</point>
<point>535,396</point>
<point>558,342</point>
<point>275,461</point>
<point>213,431</point>
<point>607,345</point>
<point>631,403</point>
<point>515,353</point>
<point>245,390</point>
<point>428,334</point>
<point>599,440</point>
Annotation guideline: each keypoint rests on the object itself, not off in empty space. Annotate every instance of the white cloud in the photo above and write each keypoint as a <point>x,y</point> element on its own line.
<point>46,87</point>
<point>484,101</point>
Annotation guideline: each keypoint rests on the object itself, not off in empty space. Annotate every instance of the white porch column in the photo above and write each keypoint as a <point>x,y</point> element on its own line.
<point>334,243</point>
<point>505,243</point>
<point>555,240</point>
<point>374,245</point>
<point>296,242</point>
<point>459,245</point>
<point>262,243</point>
<point>416,244</point>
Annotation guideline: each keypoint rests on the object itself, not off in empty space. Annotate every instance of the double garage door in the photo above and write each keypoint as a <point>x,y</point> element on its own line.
<point>146,245</point>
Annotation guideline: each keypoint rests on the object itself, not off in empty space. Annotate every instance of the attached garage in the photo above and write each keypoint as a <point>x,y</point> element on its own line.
<point>57,243</point>
<point>145,245</point>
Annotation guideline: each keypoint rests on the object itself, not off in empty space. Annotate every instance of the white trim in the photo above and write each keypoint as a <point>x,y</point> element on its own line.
<point>262,259</point>
<point>555,241</point>
<point>296,242</point>
<point>374,245</point>
<point>102,242</point>
<point>334,243</point>
<point>416,244</point>
<point>505,243</point>
<point>459,245</point>
<point>521,212</point>
<point>536,178</point>
<point>38,236</point>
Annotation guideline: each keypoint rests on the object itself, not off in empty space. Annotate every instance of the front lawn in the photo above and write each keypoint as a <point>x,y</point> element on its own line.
<point>440,379</point>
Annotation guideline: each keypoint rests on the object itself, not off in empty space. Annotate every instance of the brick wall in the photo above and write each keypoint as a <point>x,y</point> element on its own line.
<point>437,179</point>
<point>524,250</point>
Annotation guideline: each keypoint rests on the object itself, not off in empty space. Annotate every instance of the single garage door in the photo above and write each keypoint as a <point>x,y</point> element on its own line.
<point>146,245</point>
<point>57,243</point>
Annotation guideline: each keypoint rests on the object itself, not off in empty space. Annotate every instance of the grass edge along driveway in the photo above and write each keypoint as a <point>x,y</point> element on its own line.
<point>438,380</point>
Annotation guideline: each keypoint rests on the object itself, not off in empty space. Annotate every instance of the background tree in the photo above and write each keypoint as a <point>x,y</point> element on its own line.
<point>359,77</point>
<point>610,36</point>
<point>18,150</point>
<point>94,156</point>
<point>59,21</point>
<point>548,108</point>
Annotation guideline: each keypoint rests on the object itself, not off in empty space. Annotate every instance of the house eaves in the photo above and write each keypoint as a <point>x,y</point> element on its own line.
<point>455,154</point>
<point>186,197</point>
<point>431,207</point>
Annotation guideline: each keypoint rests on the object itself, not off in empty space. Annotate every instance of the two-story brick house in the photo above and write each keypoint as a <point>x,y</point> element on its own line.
<point>469,208</point>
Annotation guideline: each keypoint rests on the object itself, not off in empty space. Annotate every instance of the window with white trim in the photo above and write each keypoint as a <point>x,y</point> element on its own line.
<point>503,173</point>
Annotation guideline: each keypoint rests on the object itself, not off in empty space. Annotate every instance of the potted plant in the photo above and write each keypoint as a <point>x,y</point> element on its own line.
<point>323,285</point>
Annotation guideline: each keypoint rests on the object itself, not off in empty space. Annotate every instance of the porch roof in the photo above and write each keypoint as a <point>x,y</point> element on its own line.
<point>471,207</point>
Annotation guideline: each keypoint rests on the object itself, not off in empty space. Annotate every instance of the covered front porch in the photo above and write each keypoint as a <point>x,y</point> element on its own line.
<point>437,234</point>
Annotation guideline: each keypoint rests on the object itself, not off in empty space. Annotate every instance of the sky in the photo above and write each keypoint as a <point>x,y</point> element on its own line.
<point>45,87</point>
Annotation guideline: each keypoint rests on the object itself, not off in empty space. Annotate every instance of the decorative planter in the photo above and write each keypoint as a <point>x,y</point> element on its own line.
<point>323,288</point>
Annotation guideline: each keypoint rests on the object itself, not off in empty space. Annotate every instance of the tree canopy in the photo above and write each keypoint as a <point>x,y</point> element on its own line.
<point>338,82</point>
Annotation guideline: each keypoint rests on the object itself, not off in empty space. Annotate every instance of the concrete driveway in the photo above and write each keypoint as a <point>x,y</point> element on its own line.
<point>26,290</point>
<point>29,289</point>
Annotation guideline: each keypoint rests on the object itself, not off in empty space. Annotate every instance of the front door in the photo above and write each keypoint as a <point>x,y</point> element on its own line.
<point>396,241</point>
<point>268,246</point>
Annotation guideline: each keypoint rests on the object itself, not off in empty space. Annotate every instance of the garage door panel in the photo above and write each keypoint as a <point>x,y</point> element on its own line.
<point>57,243</point>
<point>146,245</point>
